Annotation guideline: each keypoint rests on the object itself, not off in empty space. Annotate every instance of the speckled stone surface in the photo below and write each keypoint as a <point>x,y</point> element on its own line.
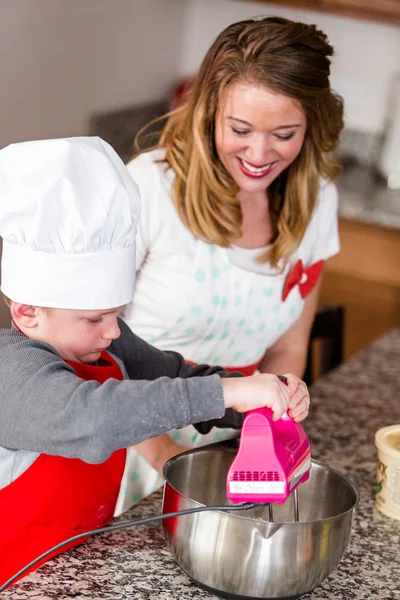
<point>348,406</point>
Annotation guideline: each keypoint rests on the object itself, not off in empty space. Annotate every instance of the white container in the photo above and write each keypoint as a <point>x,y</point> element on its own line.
<point>389,161</point>
<point>387,441</point>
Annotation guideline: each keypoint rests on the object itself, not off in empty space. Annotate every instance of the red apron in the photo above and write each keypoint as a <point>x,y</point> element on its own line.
<point>56,498</point>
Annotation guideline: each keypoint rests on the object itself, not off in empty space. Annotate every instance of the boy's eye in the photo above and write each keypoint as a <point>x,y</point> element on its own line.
<point>285,138</point>
<point>95,320</point>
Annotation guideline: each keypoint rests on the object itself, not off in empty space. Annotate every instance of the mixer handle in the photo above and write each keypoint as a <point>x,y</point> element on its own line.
<point>283,379</point>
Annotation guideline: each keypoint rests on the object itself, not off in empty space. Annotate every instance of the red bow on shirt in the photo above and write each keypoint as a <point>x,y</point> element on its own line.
<point>304,278</point>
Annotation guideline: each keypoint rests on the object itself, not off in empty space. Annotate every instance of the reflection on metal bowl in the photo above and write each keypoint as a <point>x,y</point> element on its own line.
<point>242,555</point>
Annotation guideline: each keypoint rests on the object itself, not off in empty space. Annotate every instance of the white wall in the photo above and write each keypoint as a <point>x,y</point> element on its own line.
<point>367,53</point>
<point>63,60</point>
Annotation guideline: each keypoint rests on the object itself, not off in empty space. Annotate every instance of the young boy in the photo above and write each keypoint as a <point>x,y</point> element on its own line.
<point>76,386</point>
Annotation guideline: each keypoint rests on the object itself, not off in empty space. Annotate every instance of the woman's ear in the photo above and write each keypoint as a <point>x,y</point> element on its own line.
<point>24,315</point>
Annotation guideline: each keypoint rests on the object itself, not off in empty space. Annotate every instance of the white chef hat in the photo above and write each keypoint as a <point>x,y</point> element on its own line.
<point>68,215</point>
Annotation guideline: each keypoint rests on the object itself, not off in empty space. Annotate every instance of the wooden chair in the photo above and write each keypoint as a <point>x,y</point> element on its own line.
<point>325,350</point>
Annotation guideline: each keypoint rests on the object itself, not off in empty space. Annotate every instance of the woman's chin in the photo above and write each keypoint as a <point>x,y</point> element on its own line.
<point>252,184</point>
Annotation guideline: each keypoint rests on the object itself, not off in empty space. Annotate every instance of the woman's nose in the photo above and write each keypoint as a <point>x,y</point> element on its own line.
<point>260,151</point>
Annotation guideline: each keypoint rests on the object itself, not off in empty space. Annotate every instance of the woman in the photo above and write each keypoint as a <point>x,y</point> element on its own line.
<point>239,208</point>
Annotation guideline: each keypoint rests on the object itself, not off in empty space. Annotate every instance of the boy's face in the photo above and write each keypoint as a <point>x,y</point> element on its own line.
<point>77,335</point>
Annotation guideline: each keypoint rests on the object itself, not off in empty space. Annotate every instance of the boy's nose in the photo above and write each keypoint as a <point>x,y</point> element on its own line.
<point>112,331</point>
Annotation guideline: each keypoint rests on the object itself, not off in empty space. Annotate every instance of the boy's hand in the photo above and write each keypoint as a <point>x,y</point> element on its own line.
<point>299,398</point>
<point>246,393</point>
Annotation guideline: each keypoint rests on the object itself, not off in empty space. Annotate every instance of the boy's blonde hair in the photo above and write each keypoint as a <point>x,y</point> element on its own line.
<point>6,300</point>
<point>288,58</point>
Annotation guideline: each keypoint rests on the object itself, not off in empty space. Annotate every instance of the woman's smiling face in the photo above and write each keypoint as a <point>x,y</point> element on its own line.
<point>258,135</point>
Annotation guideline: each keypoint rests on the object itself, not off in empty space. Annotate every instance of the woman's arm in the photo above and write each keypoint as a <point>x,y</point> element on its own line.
<point>289,353</point>
<point>158,450</point>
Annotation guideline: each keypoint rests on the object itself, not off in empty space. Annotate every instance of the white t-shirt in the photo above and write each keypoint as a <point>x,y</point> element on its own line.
<point>211,304</point>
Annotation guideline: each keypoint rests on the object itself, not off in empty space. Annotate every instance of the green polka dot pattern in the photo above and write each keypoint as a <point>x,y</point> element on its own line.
<point>267,292</point>
<point>216,272</point>
<point>136,497</point>
<point>200,275</point>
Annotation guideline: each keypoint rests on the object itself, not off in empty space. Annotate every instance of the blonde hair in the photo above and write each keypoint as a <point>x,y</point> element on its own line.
<point>6,300</point>
<point>288,58</point>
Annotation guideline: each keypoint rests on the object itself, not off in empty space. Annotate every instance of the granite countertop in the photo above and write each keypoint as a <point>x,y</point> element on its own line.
<point>348,406</point>
<point>366,199</point>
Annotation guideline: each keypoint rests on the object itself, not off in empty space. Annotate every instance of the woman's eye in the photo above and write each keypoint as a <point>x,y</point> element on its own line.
<point>240,131</point>
<point>284,138</point>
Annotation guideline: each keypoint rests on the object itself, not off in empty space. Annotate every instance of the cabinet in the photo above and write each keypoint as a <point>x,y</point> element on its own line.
<point>365,278</point>
<point>377,10</point>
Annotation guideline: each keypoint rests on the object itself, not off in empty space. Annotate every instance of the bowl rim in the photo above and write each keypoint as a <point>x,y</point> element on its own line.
<point>233,514</point>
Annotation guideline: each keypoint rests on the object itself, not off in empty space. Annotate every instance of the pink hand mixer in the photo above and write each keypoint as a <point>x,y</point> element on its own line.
<point>274,457</point>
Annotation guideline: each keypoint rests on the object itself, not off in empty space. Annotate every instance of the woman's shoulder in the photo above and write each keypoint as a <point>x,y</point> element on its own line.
<point>150,161</point>
<point>153,177</point>
<point>327,200</point>
<point>325,211</point>
<point>321,236</point>
<point>327,188</point>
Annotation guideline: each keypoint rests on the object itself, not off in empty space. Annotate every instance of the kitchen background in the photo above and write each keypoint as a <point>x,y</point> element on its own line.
<point>107,66</point>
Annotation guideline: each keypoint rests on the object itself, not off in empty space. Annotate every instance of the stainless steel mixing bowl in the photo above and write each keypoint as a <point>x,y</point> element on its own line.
<point>241,554</point>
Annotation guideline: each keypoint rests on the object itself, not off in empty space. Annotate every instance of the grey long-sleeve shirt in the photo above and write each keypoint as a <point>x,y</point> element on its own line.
<point>46,408</point>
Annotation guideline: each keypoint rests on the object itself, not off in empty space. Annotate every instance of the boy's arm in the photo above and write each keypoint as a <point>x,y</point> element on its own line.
<point>46,408</point>
<point>144,361</point>
<point>147,362</point>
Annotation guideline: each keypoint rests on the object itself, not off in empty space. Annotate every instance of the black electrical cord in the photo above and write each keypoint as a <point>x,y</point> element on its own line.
<point>125,525</point>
